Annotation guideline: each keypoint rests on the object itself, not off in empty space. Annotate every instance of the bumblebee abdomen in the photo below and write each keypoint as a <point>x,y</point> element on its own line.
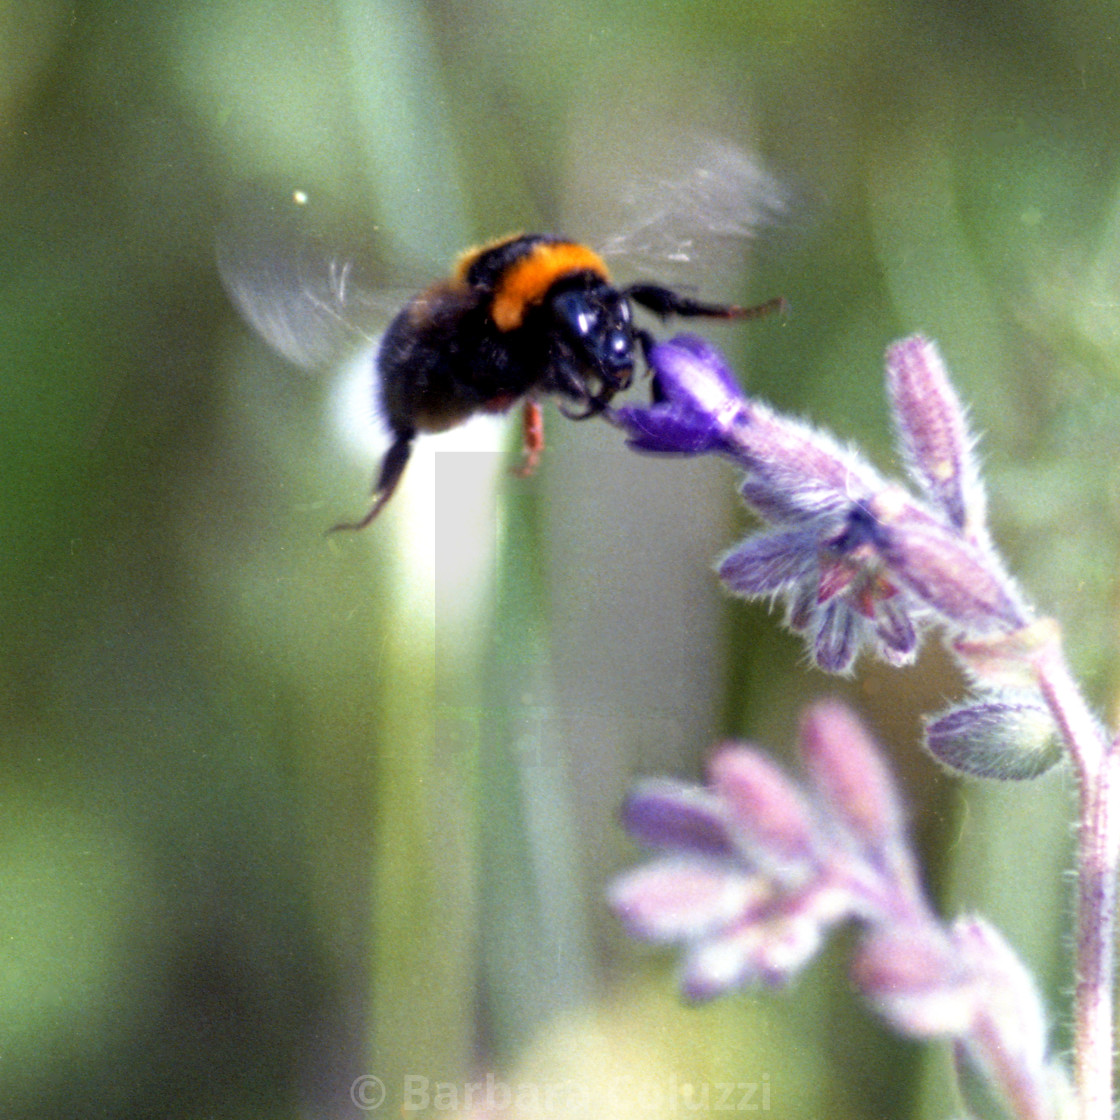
<point>441,361</point>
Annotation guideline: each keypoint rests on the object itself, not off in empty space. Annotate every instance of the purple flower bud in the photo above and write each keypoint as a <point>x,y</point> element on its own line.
<point>700,401</point>
<point>662,813</point>
<point>933,432</point>
<point>849,772</point>
<point>1007,736</point>
<point>767,811</point>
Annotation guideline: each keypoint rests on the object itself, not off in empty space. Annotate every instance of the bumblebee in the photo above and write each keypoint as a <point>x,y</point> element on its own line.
<point>521,318</point>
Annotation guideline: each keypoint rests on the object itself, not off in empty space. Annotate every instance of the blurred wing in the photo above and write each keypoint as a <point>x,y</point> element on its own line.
<point>312,303</point>
<point>695,214</point>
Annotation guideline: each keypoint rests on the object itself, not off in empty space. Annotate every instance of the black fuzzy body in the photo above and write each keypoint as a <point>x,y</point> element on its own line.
<point>443,357</point>
<point>442,360</point>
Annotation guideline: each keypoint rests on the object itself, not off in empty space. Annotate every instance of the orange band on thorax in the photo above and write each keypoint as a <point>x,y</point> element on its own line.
<point>527,280</point>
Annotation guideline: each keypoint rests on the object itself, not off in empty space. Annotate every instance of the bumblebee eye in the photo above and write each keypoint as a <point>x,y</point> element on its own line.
<point>587,322</point>
<point>577,313</point>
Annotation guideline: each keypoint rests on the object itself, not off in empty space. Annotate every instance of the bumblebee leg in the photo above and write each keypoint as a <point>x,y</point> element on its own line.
<point>592,406</point>
<point>665,302</point>
<point>392,469</point>
<point>589,410</point>
<point>532,439</point>
<point>647,342</point>
<point>569,379</point>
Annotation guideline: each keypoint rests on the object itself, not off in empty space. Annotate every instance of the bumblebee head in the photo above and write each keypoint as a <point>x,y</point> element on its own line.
<point>595,321</point>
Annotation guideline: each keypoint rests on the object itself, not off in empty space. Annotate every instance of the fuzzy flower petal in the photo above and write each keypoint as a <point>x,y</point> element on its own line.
<point>682,899</point>
<point>769,563</point>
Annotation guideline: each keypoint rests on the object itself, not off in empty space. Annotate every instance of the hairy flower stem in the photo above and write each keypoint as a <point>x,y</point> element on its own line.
<point>1098,836</point>
<point>1098,860</point>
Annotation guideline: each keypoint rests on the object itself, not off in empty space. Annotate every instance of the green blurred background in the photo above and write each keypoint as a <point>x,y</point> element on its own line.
<point>281,810</point>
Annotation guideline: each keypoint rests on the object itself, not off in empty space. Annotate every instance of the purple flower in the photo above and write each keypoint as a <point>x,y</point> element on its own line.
<point>859,563</point>
<point>754,870</point>
<point>839,590</point>
<point>698,401</point>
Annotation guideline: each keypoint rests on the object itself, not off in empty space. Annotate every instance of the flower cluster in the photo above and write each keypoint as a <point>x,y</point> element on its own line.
<point>862,563</point>
<point>754,870</point>
<point>859,562</point>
